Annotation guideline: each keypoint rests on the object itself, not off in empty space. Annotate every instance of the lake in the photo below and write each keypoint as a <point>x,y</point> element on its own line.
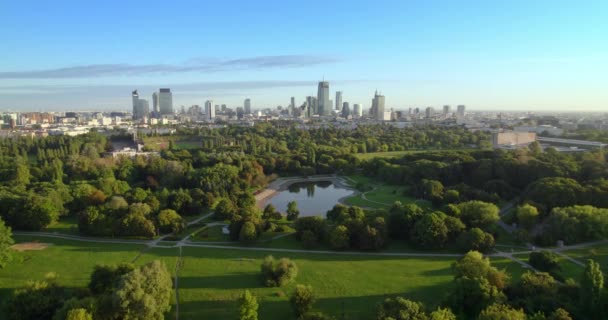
<point>313,198</point>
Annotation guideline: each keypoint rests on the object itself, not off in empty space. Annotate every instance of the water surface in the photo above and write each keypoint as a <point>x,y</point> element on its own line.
<point>313,198</point>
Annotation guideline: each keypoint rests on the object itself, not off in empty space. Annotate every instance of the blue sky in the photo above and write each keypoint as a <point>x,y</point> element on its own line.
<point>501,55</point>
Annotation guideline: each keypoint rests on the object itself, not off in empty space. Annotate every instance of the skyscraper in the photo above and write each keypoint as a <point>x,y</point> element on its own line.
<point>165,101</point>
<point>209,110</point>
<point>377,109</point>
<point>323,104</point>
<point>155,107</point>
<point>141,107</point>
<point>446,110</point>
<point>311,104</point>
<point>357,110</point>
<point>247,106</point>
<point>460,110</point>
<point>338,100</point>
<point>345,110</point>
<point>292,106</point>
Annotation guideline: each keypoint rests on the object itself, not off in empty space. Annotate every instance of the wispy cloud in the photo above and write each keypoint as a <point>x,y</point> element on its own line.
<point>194,65</point>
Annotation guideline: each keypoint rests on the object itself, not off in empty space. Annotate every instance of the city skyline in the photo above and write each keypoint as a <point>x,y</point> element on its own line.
<point>541,56</point>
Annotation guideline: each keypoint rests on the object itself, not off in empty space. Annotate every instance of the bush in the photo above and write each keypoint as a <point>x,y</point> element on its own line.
<point>302,300</point>
<point>316,225</point>
<point>544,261</point>
<point>477,240</point>
<point>278,273</point>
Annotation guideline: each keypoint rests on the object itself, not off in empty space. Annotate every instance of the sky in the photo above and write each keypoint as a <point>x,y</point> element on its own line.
<point>489,55</point>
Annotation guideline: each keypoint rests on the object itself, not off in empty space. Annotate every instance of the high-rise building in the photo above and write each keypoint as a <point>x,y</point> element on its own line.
<point>357,110</point>
<point>165,101</point>
<point>345,110</point>
<point>460,110</point>
<point>292,106</point>
<point>311,105</point>
<point>247,106</point>
<point>338,100</point>
<point>377,109</point>
<point>323,104</point>
<point>155,107</point>
<point>141,108</point>
<point>446,110</point>
<point>430,112</point>
<point>209,110</point>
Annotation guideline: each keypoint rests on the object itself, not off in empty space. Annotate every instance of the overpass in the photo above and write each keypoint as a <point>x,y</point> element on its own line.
<point>572,142</point>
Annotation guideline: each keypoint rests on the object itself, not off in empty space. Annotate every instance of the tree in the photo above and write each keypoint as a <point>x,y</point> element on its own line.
<point>79,314</point>
<point>430,231</point>
<point>309,239</point>
<point>537,292</point>
<point>527,216</point>
<point>249,307</point>
<point>477,240</point>
<point>501,312</point>
<point>314,224</point>
<point>339,238</point>
<point>37,300</point>
<point>432,190</point>
<point>399,308</point>
<point>302,299</point>
<point>545,261</point>
<point>6,241</point>
<point>292,211</point>
<point>592,284</point>
<point>442,314</point>
<point>278,273</point>
<point>144,293</point>
<point>270,212</point>
<point>560,314</point>
<point>248,232</point>
<point>478,214</point>
<point>105,277</point>
<point>225,210</point>
<point>170,221</point>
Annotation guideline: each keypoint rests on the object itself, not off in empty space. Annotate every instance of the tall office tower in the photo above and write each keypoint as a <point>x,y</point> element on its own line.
<point>292,106</point>
<point>135,98</point>
<point>446,110</point>
<point>155,102</point>
<point>323,104</point>
<point>224,107</point>
<point>460,110</point>
<point>311,105</point>
<point>339,101</point>
<point>247,106</point>
<point>430,112</point>
<point>345,110</point>
<point>141,107</point>
<point>165,101</point>
<point>378,106</point>
<point>357,110</point>
<point>144,108</point>
<point>209,110</point>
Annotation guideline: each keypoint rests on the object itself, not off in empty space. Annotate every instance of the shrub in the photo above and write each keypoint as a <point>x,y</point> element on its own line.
<point>278,273</point>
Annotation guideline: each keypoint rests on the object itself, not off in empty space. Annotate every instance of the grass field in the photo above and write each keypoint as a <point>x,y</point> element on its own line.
<point>380,196</point>
<point>598,253</point>
<point>211,280</point>
<point>398,154</point>
<point>179,142</point>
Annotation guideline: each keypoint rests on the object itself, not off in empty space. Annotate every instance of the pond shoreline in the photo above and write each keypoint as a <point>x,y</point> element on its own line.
<point>282,184</point>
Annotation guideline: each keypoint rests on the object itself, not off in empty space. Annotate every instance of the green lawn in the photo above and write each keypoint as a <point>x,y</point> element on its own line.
<point>598,253</point>
<point>73,261</point>
<point>66,225</point>
<point>388,154</point>
<point>211,280</point>
<point>383,196</point>
<point>213,233</point>
<point>179,142</point>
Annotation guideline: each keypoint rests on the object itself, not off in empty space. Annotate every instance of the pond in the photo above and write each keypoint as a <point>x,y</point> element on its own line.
<point>313,198</point>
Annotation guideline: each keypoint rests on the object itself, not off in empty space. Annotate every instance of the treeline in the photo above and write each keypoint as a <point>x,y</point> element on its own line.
<point>467,226</point>
<point>567,190</point>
